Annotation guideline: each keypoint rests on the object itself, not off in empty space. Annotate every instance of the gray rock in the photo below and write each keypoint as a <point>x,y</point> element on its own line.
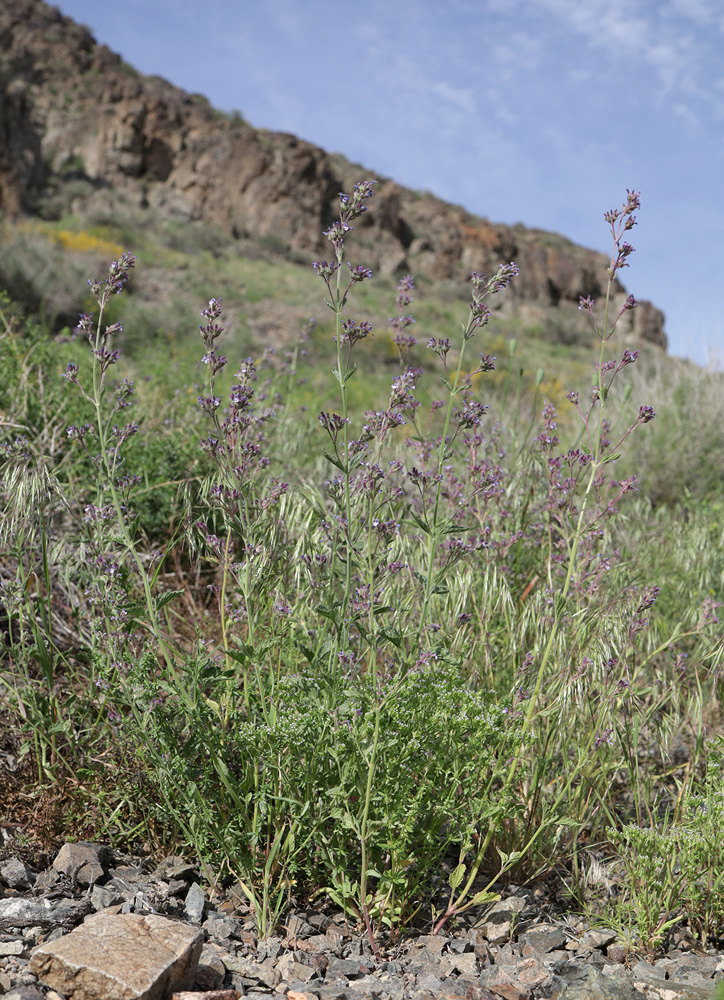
<point>24,993</point>
<point>194,904</point>
<point>220,928</point>
<point>290,969</point>
<point>16,874</point>
<point>83,862</point>
<point>541,939</point>
<point>102,897</point>
<point>12,947</point>
<point>342,967</point>
<point>465,963</point>
<point>120,957</point>
<point>430,984</point>
<point>589,983</point>
<point>498,923</point>
<point>597,939</point>
<point>433,942</point>
<point>46,880</point>
<point>648,973</point>
<point>211,969</point>
<point>20,912</point>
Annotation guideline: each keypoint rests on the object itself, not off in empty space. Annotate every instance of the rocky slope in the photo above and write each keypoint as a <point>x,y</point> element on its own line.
<point>71,110</point>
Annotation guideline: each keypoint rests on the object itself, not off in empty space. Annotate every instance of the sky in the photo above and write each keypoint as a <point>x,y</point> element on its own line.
<point>535,111</point>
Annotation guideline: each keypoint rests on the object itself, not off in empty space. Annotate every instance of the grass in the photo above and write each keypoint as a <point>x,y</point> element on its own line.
<point>342,630</point>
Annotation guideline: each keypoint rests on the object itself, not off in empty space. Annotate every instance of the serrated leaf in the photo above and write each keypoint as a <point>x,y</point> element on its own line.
<point>392,635</point>
<point>163,599</point>
<point>420,523</point>
<point>326,612</point>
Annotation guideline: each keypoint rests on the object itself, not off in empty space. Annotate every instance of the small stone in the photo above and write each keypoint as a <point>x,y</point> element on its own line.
<point>289,969</point>
<point>211,970</point>
<point>430,983</point>
<point>47,879</point>
<point>220,928</point>
<point>465,963</point>
<point>194,904</point>
<point>83,861</point>
<point>597,939</point>
<point>102,897</point>
<point>207,995</point>
<point>459,945</point>
<point>342,967</point>
<point>12,947</point>
<point>16,874</point>
<point>20,912</point>
<point>433,942</point>
<point>24,993</point>
<point>540,940</point>
<point>616,952</point>
<point>129,957</point>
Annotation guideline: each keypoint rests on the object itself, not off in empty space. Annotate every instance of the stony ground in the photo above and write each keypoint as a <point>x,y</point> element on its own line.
<point>520,949</point>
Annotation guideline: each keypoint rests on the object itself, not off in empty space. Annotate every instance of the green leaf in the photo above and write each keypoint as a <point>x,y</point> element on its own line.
<point>483,897</point>
<point>440,588</point>
<point>327,612</point>
<point>611,458</point>
<point>163,599</point>
<point>420,523</point>
<point>392,635</point>
<point>456,876</point>
<point>334,460</point>
<point>348,375</point>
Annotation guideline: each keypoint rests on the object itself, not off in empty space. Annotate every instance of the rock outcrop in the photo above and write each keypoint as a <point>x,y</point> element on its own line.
<point>70,108</point>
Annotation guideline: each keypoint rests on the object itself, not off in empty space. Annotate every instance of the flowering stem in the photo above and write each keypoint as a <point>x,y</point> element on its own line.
<point>434,535</point>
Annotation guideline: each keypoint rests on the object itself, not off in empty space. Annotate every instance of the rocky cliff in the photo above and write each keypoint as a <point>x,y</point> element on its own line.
<point>70,108</point>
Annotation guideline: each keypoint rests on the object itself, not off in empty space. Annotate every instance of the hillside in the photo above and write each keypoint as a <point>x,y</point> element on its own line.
<point>94,155</point>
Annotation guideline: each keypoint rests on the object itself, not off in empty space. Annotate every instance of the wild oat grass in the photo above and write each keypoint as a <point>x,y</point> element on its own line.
<point>392,648</point>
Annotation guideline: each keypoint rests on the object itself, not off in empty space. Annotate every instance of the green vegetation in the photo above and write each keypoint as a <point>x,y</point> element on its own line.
<point>382,644</point>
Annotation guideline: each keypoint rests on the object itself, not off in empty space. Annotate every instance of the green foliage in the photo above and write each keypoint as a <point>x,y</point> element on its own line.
<point>676,871</point>
<point>391,653</point>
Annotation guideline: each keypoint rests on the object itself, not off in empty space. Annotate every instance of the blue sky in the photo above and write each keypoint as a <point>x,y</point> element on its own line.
<point>534,111</point>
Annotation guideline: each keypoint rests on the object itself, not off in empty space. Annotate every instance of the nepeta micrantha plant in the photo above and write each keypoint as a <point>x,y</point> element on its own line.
<point>373,504</point>
<point>422,491</point>
<point>581,494</point>
<point>112,526</point>
<point>243,496</point>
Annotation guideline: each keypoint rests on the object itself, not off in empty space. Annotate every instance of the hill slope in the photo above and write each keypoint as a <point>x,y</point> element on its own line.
<point>82,132</point>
